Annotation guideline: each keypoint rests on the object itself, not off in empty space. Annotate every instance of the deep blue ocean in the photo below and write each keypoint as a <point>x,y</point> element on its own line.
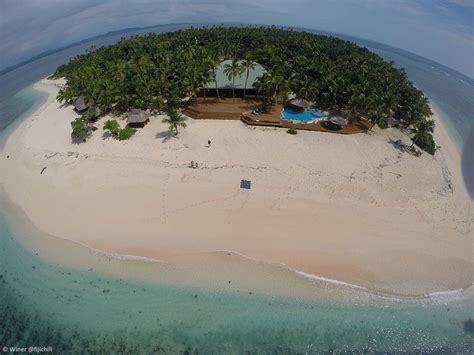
<point>73,310</point>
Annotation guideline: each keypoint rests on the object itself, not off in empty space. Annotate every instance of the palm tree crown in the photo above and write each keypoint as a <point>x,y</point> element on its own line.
<point>175,120</point>
<point>231,71</point>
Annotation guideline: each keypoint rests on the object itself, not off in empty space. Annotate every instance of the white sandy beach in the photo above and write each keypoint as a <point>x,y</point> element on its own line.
<point>352,208</point>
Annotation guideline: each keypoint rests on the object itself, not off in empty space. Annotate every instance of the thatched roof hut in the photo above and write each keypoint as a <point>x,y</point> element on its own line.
<point>80,104</point>
<point>138,118</point>
<point>338,120</point>
<point>301,103</point>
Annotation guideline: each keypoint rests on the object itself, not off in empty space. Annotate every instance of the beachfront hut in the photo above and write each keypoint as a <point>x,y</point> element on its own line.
<point>80,104</point>
<point>301,104</point>
<point>138,118</point>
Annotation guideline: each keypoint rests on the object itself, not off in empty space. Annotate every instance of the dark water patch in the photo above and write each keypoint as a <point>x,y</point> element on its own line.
<point>469,326</point>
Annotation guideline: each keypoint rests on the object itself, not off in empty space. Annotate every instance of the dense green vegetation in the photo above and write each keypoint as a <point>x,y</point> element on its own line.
<point>143,72</point>
<point>81,130</point>
<point>422,135</point>
<point>118,133</point>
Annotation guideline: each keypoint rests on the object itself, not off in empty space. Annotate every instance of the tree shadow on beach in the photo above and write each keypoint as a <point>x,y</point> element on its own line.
<point>398,145</point>
<point>166,135</point>
<point>106,135</point>
<point>404,148</point>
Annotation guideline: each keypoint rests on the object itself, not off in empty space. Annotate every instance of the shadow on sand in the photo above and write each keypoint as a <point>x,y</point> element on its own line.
<point>404,148</point>
<point>166,135</point>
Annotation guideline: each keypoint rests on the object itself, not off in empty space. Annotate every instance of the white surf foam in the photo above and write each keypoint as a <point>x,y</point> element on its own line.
<point>328,280</point>
<point>126,257</point>
<point>301,273</point>
<point>448,293</point>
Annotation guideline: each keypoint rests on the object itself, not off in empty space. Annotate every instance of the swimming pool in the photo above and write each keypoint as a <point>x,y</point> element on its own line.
<point>303,116</point>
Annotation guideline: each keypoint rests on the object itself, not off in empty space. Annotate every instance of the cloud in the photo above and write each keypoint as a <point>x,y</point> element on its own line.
<point>438,29</point>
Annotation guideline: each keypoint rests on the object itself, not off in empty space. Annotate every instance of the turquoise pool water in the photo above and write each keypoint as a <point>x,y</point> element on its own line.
<point>305,116</point>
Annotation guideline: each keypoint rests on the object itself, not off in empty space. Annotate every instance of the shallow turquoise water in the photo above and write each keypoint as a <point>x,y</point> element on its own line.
<point>18,107</point>
<point>72,310</point>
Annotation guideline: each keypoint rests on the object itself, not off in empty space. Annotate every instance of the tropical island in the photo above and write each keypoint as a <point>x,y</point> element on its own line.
<point>233,192</point>
<point>326,77</point>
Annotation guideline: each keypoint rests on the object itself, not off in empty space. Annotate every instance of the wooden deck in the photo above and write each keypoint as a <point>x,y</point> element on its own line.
<point>271,119</point>
<point>224,109</point>
<point>274,120</point>
<point>354,126</point>
<point>241,108</point>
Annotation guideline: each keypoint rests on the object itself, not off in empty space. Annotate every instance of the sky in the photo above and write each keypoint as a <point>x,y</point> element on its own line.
<point>441,30</point>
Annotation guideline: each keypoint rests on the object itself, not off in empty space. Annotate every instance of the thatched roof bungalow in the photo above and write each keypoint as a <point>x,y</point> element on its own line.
<point>138,118</point>
<point>81,104</point>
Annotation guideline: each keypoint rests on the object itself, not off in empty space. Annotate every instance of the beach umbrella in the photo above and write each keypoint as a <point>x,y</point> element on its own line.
<point>301,103</point>
<point>137,117</point>
<point>338,120</point>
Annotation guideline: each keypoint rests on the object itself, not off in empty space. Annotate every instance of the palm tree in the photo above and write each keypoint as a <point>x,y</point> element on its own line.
<point>175,120</point>
<point>231,71</point>
<point>280,87</point>
<point>424,126</point>
<point>421,129</point>
<point>423,137</point>
<point>263,84</point>
<point>215,61</point>
<point>247,65</point>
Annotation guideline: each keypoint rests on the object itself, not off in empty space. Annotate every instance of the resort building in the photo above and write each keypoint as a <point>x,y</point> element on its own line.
<point>138,118</point>
<point>240,100</point>
<point>225,84</point>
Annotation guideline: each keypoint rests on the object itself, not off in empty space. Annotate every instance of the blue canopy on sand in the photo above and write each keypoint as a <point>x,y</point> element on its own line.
<point>245,184</point>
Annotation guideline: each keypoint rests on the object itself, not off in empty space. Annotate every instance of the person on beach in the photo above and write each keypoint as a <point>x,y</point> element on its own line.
<point>209,143</point>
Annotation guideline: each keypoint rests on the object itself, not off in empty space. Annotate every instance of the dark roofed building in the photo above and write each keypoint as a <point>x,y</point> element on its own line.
<point>80,104</point>
<point>138,118</point>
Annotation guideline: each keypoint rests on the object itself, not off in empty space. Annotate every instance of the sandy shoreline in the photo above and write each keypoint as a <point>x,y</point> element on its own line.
<point>351,208</point>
